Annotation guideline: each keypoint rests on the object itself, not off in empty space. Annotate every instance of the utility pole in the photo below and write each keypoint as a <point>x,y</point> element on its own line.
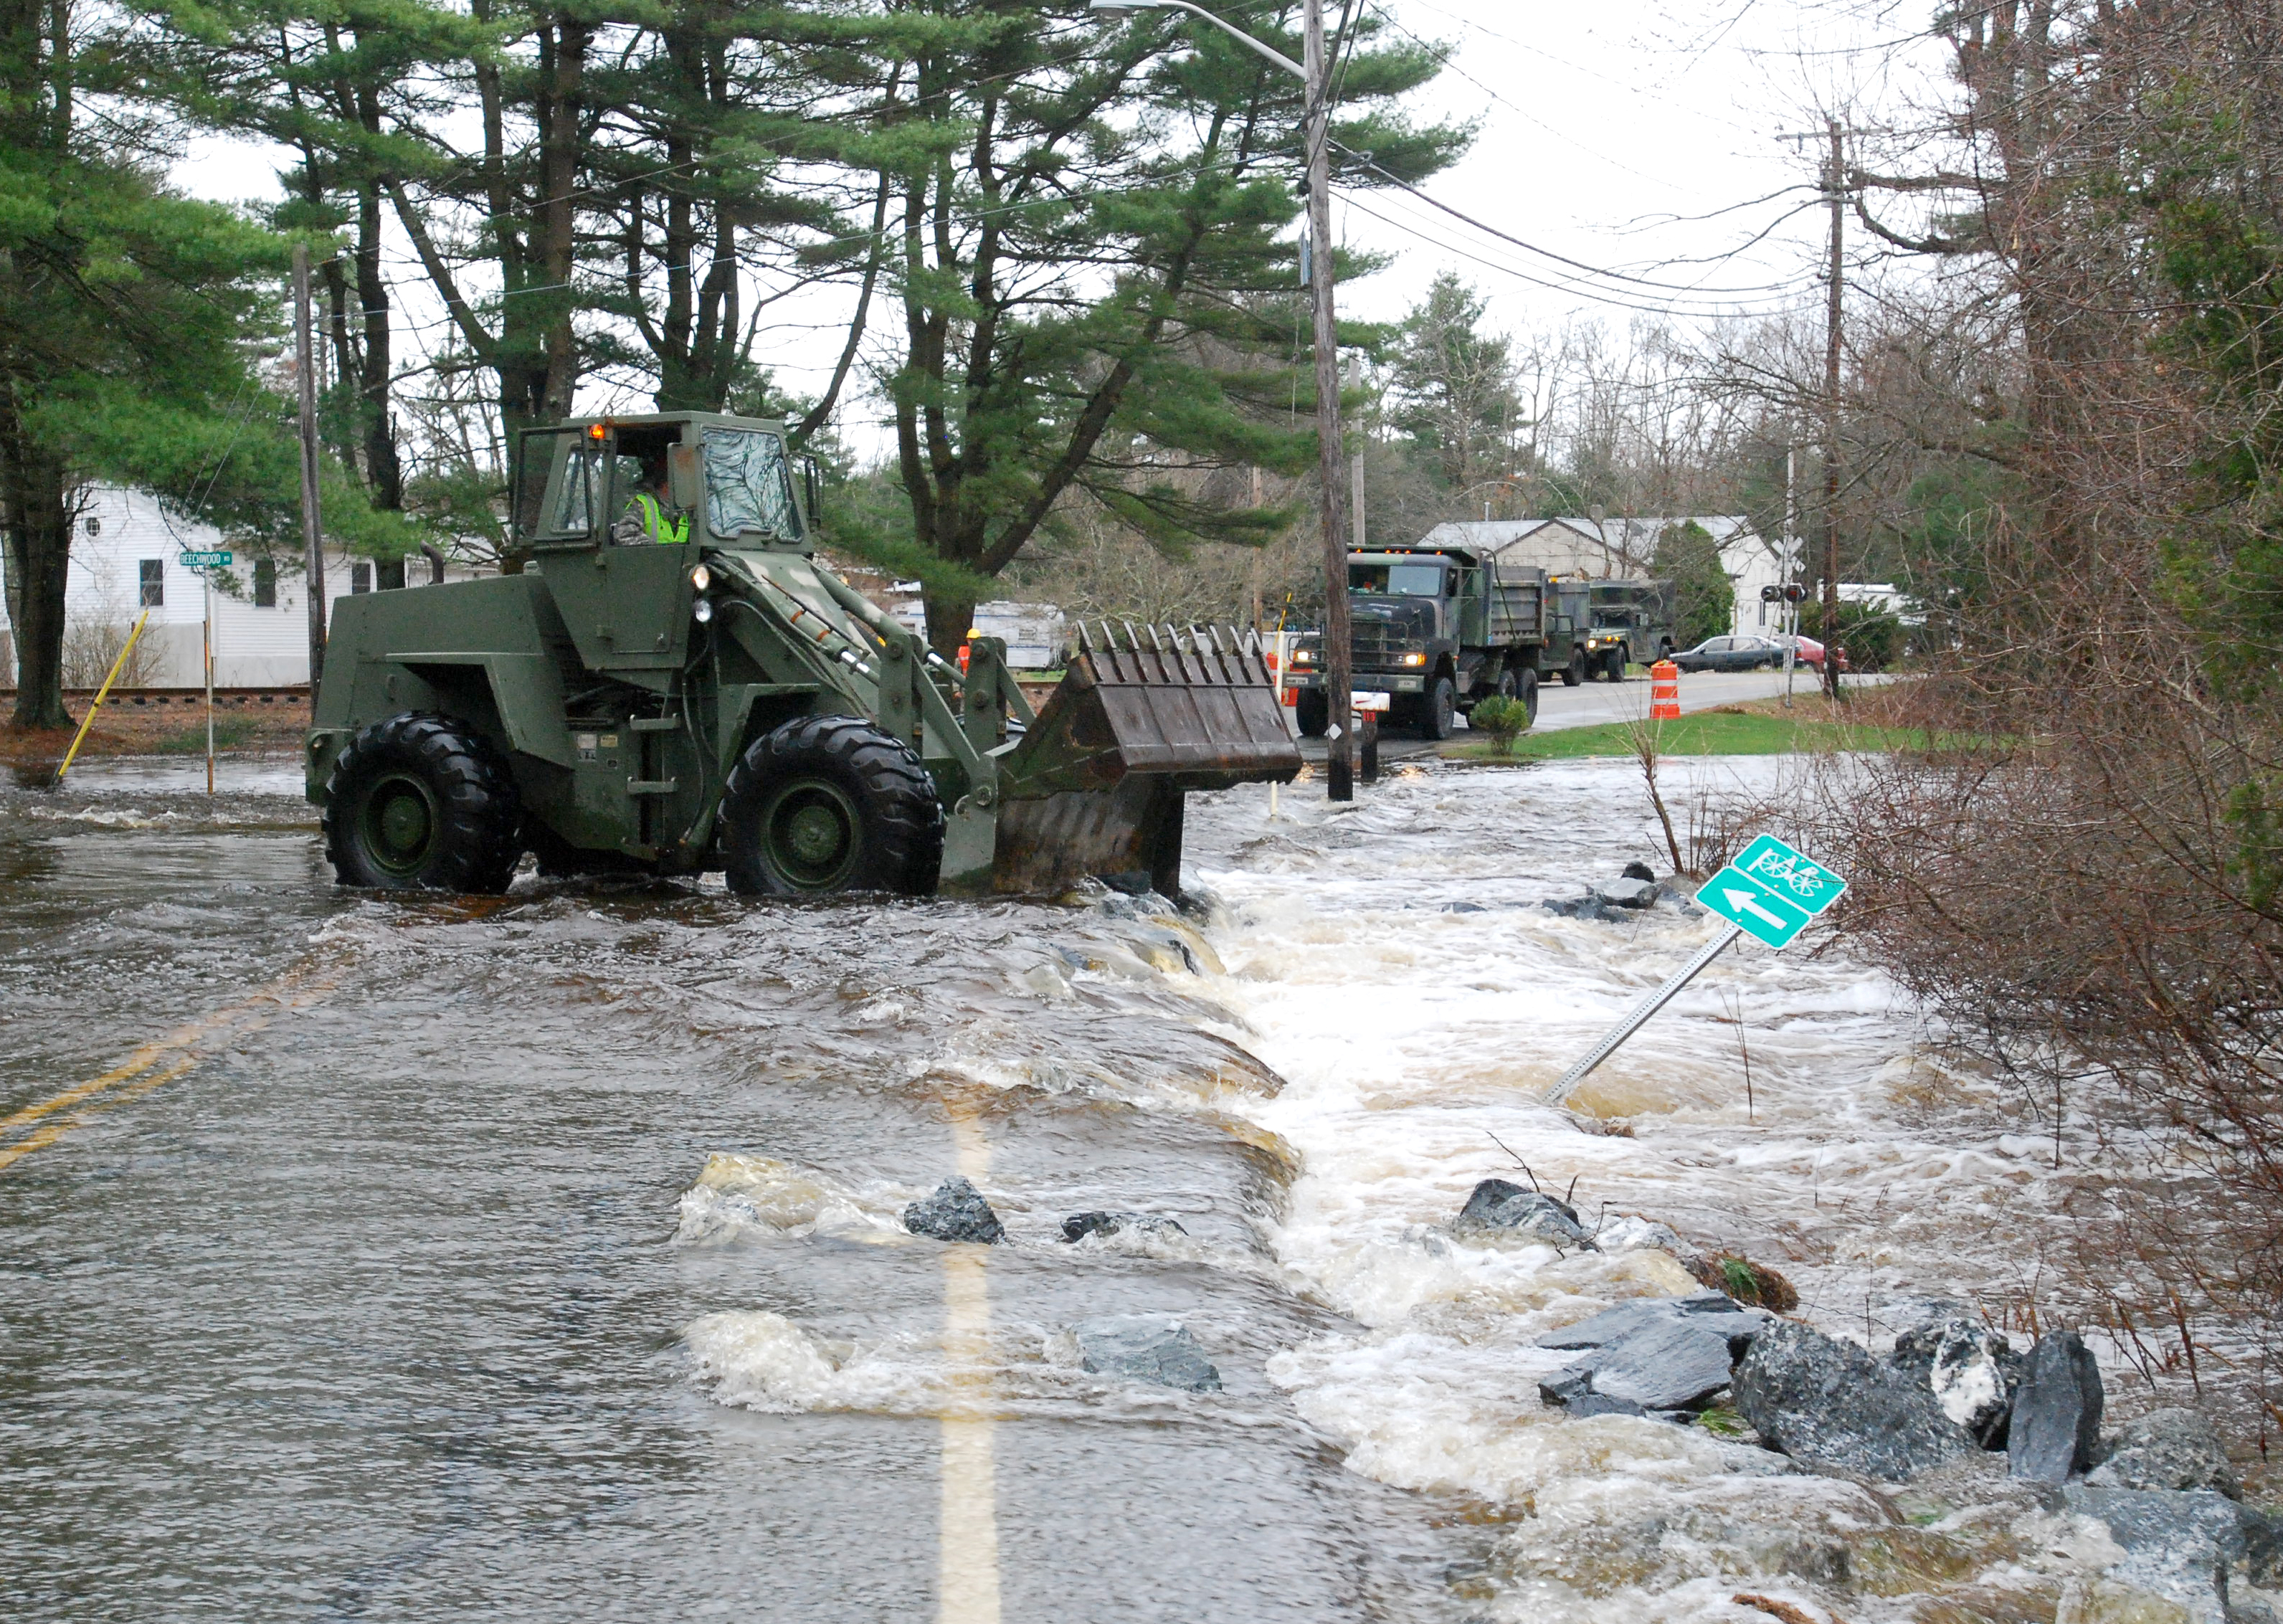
<point>1835,188</point>
<point>1339,678</point>
<point>306,374</point>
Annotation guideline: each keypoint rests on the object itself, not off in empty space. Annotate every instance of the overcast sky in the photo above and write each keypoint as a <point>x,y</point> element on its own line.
<point>1629,136</point>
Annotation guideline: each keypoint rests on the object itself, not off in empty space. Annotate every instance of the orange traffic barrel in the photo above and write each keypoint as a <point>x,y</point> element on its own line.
<point>1665,692</point>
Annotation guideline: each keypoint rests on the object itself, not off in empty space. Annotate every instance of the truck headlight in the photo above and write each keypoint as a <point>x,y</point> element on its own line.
<point>1415,660</point>
<point>1302,656</point>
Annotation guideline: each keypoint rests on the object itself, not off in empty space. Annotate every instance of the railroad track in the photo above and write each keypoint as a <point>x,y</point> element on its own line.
<point>233,698</point>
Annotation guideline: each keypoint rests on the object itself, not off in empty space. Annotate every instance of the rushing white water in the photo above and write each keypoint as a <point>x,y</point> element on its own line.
<point>1389,967</point>
<point>1390,963</point>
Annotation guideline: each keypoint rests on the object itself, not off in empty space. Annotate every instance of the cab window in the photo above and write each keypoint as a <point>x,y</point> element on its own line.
<point>1397,580</point>
<point>747,485</point>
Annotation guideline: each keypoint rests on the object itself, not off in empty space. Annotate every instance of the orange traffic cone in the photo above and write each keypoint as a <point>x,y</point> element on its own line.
<point>1665,692</point>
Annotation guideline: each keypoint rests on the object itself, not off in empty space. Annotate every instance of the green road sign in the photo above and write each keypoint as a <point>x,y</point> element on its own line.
<point>204,560</point>
<point>1771,891</point>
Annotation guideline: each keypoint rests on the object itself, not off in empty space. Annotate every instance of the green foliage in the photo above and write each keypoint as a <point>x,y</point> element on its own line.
<point>2257,865</point>
<point>1453,386</point>
<point>1503,719</point>
<point>1705,597</point>
<point>1873,638</point>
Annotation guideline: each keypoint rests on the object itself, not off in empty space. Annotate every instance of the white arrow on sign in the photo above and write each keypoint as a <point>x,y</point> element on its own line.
<point>1745,900</point>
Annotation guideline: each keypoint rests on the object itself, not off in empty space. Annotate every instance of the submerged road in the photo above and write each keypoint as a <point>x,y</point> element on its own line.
<point>346,1268</point>
<point>541,1257</point>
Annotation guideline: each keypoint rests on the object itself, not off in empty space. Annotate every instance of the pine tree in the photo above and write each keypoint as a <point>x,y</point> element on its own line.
<point>121,311</point>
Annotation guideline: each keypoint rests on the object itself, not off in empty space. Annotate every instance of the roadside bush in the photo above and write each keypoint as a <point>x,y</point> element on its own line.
<point>1871,636</point>
<point>1501,720</point>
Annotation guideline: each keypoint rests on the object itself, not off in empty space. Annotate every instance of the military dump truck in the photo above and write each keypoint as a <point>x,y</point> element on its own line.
<point>720,701</point>
<point>1632,623</point>
<point>1437,629</point>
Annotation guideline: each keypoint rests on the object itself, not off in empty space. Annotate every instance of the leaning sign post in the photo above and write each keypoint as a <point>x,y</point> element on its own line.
<point>1770,891</point>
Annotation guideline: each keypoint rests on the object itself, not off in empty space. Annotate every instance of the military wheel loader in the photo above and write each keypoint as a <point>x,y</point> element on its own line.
<point>722,701</point>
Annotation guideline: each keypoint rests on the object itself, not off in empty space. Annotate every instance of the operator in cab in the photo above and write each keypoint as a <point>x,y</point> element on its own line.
<point>650,514</point>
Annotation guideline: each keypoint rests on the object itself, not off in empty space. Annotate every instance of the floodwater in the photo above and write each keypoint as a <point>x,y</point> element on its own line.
<point>539,1257</point>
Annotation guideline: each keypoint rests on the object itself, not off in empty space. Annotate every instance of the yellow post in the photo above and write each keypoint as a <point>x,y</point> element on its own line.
<point>102,694</point>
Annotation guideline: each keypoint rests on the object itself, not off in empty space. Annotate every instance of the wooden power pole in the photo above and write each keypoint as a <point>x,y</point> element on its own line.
<point>1835,187</point>
<point>1338,678</point>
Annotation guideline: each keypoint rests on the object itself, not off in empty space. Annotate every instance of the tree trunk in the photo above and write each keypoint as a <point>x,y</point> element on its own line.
<point>36,532</point>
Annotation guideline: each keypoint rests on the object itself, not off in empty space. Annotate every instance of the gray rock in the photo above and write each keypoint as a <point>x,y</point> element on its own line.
<point>1464,908</point>
<point>957,1211</point>
<point>1710,1310</point>
<point>1626,893</point>
<point>1833,1408</point>
<point>1677,1365</point>
<point>2056,1424</point>
<point>1971,1371</point>
<point>2262,1547</point>
<point>1637,870</point>
<point>1152,1348</point>
<point>1624,1232</point>
<point>1497,1205</point>
<point>2166,1448</point>
<point>1080,1225</point>
<point>1597,1405</point>
<point>2178,1546</point>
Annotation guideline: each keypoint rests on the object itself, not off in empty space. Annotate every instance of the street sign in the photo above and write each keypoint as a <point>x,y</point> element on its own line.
<point>1369,701</point>
<point>204,560</point>
<point>1771,891</point>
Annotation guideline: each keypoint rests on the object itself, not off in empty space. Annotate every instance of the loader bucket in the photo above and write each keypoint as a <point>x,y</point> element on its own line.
<point>1095,787</point>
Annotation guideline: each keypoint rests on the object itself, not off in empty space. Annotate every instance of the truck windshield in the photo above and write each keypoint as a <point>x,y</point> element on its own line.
<point>1397,580</point>
<point>747,485</point>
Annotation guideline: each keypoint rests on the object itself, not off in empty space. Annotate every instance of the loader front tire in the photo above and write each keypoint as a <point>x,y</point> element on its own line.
<point>422,802</point>
<point>825,804</point>
<point>1311,710</point>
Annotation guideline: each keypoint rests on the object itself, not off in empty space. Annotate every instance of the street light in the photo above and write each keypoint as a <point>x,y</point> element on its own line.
<point>1338,677</point>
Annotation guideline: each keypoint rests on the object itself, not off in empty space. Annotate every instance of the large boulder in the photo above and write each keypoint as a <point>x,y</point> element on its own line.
<point>1628,893</point>
<point>1151,1348</point>
<point>2179,1547</point>
<point>1971,1369</point>
<point>1673,1366</point>
<point>2166,1448</point>
<point>1833,1408</point>
<point>1706,1310</point>
<point>1077,1226</point>
<point>2056,1423</point>
<point>1497,1207</point>
<point>957,1211</point>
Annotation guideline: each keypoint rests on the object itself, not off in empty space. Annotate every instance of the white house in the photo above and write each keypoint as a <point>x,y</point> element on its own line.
<point>1624,547</point>
<point>123,560</point>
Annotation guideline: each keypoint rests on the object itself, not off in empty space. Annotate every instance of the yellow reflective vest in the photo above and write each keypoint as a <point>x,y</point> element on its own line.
<point>656,525</point>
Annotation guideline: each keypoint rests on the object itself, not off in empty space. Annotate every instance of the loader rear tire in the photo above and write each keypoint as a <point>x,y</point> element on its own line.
<point>827,804</point>
<point>422,802</point>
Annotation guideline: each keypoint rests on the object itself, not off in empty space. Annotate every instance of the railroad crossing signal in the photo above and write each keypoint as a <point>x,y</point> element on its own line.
<point>1771,891</point>
<point>204,560</point>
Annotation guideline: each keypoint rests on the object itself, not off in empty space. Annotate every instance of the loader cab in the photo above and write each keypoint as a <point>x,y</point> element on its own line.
<point>626,606</point>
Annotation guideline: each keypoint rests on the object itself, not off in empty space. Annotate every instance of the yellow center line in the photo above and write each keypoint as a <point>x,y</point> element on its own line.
<point>968,1574</point>
<point>296,989</point>
<point>40,1139</point>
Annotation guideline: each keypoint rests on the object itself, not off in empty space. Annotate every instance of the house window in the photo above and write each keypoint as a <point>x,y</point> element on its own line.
<point>392,574</point>
<point>265,583</point>
<point>360,578</point>
<point>152,573</point>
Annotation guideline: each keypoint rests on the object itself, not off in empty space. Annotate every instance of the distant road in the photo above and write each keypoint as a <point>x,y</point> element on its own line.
<point>1598,702</point>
